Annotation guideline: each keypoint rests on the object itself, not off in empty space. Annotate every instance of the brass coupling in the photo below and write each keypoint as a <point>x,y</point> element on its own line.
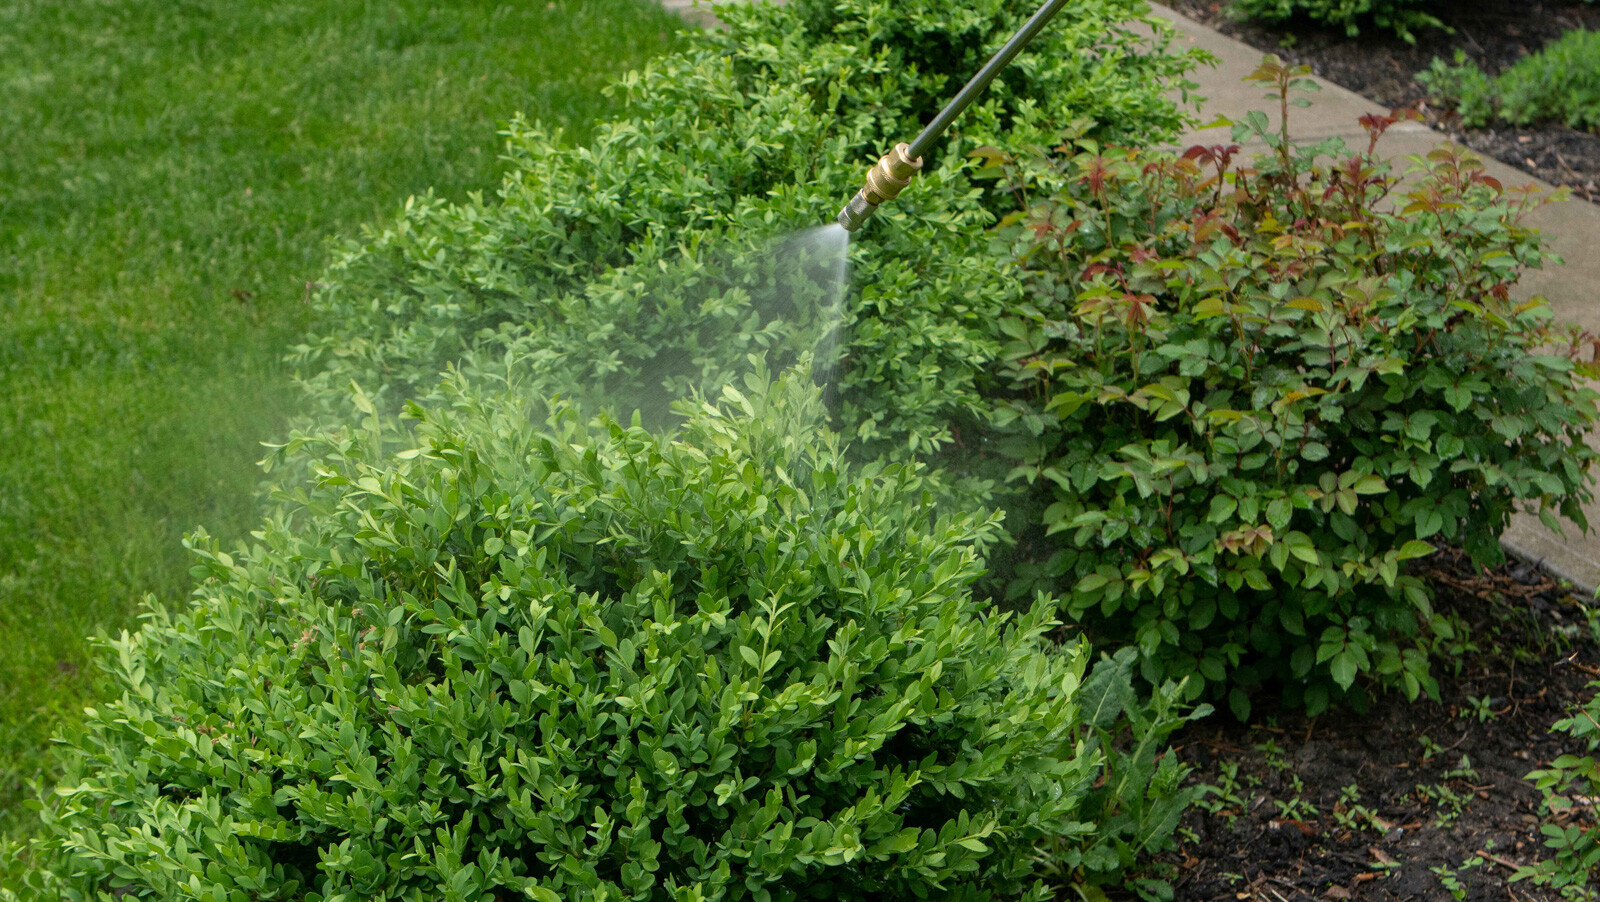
<point>885,181</point>
<point>893,173</point>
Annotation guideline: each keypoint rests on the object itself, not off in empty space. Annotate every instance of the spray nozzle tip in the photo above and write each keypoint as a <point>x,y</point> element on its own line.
<point>856,213</point>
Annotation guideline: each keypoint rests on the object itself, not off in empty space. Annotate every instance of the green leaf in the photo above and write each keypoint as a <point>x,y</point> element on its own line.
<point>1222,507</point>
<point>1429,523</point>
<point>1091,583</point>
<point>1370,485</point>
<point>1292,620</point>
<point>1343,669</point>
<point>1108,691</point>
<point>1301,662</point>
<point>1300,545</point>
<point>1239,704</point>
<point>1415,549</point>
<point>1279,512</point>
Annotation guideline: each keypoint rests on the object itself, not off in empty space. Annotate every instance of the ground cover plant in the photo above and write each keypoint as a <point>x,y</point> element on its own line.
<point>1253,389</point>
<point>1405,800</point>
<point>1559,83</point>
<point>1493,34</point>
<point>513,650</point>
<point>169,174</point>
<point>1568,786</point>
<point>1403,17</point>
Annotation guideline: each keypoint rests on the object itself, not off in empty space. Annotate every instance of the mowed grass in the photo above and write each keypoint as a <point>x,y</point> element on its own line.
<point>171,174</point>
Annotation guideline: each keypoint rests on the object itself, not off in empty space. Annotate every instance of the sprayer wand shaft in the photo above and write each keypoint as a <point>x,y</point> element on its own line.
<point>1002,58</point>
<point>893,173</point>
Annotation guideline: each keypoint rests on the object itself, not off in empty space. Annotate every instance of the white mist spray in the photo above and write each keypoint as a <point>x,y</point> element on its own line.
<point>824,253</point>
<point>737,309</point>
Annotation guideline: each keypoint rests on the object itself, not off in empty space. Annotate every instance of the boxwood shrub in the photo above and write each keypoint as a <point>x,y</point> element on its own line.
<point>590,258</point>
<point>1253,389</point>
<point>485,658</point>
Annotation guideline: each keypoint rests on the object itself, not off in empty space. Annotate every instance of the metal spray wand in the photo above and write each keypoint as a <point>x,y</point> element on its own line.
<point>893,173</point>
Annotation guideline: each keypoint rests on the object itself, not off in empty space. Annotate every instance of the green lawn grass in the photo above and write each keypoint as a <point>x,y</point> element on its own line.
<point>171,172</point>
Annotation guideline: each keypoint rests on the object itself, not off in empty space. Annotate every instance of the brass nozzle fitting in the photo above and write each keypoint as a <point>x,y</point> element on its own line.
<point>885,181</point>
<point>893,173</point>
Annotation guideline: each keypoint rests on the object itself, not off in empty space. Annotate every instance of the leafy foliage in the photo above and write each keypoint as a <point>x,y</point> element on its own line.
<point>1462,85</point>
<point>1098,59</point>
<point>1254,390</point>
<point>589,262</point>
<point>581,661</point>
<point>1559,83</point>
<point>1403,17</point>
<point>1568,782</point>
<point>1141,795</point>
<point>171,175</point>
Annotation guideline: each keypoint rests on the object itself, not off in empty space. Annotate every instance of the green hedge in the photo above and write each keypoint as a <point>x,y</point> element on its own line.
<point>588,257</point>
<point>513,652</point>
<point>472,656</point>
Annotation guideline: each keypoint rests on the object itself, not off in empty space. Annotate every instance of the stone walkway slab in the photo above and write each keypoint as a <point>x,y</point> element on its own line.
<point>695,12</point>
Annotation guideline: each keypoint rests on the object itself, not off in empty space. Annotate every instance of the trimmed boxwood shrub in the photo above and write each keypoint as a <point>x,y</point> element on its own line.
<point>1251,390</point>
<point>483,659</point>
<point>1107,62</point>
<point>757,132</point>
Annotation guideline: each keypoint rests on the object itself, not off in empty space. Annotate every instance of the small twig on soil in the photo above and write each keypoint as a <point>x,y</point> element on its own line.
<point>1515,896</point>
<point>1511,687</point>
<point>1498,860</point>
<point>1458,742</point>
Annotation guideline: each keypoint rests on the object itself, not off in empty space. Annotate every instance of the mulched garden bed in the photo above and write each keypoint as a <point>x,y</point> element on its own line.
<point>1442,783</point>
<point>1494,33</point>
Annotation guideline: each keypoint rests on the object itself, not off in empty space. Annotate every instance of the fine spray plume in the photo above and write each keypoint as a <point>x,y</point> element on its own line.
<point>893,173</point>
<point>781,305</point>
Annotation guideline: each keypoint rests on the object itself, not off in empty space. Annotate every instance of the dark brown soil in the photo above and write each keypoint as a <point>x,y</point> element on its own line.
<point>1494,33</point>
<point>1443,781</point>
